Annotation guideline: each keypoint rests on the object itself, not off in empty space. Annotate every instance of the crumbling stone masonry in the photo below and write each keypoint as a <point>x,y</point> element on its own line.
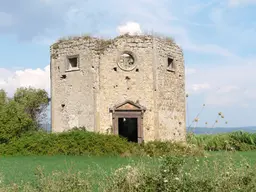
<point>101,84</point>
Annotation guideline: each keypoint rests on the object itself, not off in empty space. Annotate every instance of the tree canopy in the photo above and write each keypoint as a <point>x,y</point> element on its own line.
<point>22,113</point>
<point>34,101</point>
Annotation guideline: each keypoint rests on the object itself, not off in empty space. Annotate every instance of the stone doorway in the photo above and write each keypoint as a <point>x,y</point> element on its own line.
<point>128,128</point>
<point>128,121</point>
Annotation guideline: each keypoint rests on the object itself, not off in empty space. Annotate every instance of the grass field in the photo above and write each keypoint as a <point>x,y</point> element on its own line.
<point>21,169</point>
<point>18,169</point>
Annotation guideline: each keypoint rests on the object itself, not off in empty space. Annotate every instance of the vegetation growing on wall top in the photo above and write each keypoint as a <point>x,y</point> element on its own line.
<point>104,43</point>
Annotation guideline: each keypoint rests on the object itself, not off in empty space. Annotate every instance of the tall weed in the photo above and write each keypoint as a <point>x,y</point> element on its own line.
<point>240,141</point>
<point>176,174</point>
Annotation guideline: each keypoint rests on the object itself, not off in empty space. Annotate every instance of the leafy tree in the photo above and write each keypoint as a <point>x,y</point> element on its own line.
<point>14,121</point>
<point>34,102</point>
<point>3,97</point>
<point>21,113</point>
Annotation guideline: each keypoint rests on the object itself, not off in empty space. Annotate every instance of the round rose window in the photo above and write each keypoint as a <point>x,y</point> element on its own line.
<point>126,62</point>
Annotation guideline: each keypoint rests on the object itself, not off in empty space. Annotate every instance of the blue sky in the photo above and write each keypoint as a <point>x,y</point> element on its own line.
<point>217,36</point>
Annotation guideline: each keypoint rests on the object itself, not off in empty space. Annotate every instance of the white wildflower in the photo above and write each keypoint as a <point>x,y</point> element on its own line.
<point>128,167</point>
<point>176,178</point>
<point>187,174</point>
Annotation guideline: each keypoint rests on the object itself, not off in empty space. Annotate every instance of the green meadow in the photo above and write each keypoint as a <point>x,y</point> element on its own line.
<point>98,170</point>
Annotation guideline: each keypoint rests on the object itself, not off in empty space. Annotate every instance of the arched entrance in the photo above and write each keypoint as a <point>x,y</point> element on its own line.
<point>128,120</point>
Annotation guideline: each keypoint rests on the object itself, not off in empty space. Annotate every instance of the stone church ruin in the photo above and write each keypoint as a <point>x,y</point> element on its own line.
<point>132,86</point>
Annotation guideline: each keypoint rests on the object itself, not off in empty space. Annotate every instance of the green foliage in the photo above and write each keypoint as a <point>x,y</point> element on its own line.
<point>240,141</point>
<point>81,142</point>
<point>160,148</point>
<point>3,98</point>
<point>56,182</point>
<point>74,142</point>
<point>223,173</point>
<point>13,121</point>
<point>19,115</point>
<point>177,174</point>
<point>34,101</point>
<point>60,181</point>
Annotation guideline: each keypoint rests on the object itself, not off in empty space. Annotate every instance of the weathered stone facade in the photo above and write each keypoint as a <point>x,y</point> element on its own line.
<point>132,71</point>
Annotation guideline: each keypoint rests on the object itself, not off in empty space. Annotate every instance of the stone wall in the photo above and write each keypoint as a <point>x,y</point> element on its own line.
<point>117,85</point>
<point>83,97</point>
<point>170,82</point>
<point>72,91</point>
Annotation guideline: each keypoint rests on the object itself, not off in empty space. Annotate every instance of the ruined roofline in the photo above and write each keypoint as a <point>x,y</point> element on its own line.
<point>109,41</point>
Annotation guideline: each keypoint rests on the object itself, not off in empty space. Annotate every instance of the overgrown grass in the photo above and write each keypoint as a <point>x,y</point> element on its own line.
<point>176,174</point>
<point>216,172</point>
<point>240,141</point>
<point>80,142</point>
<point>110,163</point>
<point>153,166</point>
<point>22,169</point>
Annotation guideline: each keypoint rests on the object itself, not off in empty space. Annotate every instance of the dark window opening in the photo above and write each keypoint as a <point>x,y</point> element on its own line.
<point>115,69</point>
<point>137,70</point>
<point>170,65</point>
<point>73,62</point>
<point>128,128</point>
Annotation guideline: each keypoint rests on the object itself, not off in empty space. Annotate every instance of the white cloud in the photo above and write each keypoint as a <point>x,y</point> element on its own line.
<point>208,48</point>
<point>4,73</point>
<point>149,15</point>
<point>223,100</point>
<point>37,78</point>
<point>226,96</point>
<point>232,84</point>
<point>234,3</point>
<point>183,38</point>
<point>199,87</point>
<point>131,28</point>
<point>228,89</point>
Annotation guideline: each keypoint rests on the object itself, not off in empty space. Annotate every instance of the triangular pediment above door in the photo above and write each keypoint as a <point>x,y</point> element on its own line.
<point>128,106</point>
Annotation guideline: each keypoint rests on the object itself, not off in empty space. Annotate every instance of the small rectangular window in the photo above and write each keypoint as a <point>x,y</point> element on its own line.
<point>170,64</point>
<point>72,63</point>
